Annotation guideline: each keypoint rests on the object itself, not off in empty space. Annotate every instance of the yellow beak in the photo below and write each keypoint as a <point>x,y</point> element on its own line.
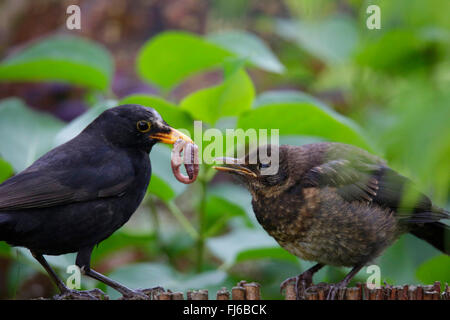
<point>171,136</point>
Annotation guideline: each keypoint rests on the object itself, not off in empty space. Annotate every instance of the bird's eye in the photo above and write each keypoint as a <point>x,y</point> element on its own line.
<point>143,126</point>
<point>263,165</point>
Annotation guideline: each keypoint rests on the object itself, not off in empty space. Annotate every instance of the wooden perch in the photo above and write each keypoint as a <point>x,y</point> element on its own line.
<point>362,292</point>
<point>252,291</point>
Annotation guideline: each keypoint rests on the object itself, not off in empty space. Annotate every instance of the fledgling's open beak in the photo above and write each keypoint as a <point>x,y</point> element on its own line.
<point>232,165</point>
<point>171,136</point>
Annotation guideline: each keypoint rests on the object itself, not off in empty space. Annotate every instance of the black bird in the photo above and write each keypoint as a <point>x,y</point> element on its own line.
<point>79,193</point>
<point>337,205</point>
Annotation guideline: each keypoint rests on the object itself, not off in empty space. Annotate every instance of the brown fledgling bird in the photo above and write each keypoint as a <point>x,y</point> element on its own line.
<point>337,205</point>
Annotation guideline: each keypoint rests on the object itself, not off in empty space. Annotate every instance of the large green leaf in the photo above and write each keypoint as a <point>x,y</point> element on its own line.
<point>397,51</point>
<point>160,188</point>
<point>170,57</point>
<point>26,134</point>
<point>149,275</point>
<point>174,116</point>
<point>303,118</point>
<point>249,47</point>
<point>228,247</point>
<point>435,269</point>
<point>281,96</point>
<point>235,194</point>
<point>229,98</point>
<point>61,58</point>
<point>332,40</point>
<point>124,240</point>
<point>219,211</point>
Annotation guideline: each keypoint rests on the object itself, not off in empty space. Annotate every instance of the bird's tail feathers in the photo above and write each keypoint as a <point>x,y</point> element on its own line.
<point>435,233</point>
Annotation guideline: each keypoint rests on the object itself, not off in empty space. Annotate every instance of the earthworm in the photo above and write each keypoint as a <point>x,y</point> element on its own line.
<point>190,152</point>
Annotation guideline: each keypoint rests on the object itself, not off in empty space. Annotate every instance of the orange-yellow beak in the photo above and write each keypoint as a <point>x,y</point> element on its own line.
<point>171,136</point>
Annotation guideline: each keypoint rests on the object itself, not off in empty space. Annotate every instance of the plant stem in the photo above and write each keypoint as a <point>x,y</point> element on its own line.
<point>201,227</point>
<point>173,208</point>
<point>154,216</point>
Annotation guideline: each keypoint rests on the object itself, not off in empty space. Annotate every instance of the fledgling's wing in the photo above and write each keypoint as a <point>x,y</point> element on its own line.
<point>351,183</point>
<point>45,186</point>
<point>358,176</point>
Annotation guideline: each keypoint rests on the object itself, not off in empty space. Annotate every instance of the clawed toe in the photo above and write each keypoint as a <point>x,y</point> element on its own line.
<point>142,294</point>
<point>333,291</point>
<point>302,282</point>
<point>135,295</point>
<point>69,294</point>
<point>286,282</point>
<point>152,292</point>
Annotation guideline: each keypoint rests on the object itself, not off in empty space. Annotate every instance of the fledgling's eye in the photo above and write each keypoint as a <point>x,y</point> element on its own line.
<point>143,126</point>
<point>263,165</point>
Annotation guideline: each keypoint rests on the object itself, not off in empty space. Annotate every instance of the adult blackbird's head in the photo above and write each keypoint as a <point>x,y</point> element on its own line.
<point>134,126</point>
<point>264,170</point>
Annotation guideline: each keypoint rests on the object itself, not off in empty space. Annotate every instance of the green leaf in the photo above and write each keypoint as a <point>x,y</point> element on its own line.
<point>332,40</point>
<point>229,98</point>
<point>160,188</point>
<point>61,58</point>
<point>303,118</point>
<point>6,170</point>
<point>266,253</point>
<point>281,96</point>
<point>435,269</point>
<point>237,195</point>
<point>228,247</point>
<point>123,240</point>
<point>396,263</point>
<point>397,51</point>
<point>26,134</point>
<point>78,124</point>
<point>173,115</point>
<point>149,275</point>
<point>218,212</point>
<point>248,46</point>
<point>170,57</point>
<point>5,249</point>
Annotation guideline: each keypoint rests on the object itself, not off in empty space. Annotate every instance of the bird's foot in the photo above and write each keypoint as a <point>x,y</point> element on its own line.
<point>286,282</point>
<point>336,290</point>
<point>142,294</point>
<point>302,282</point>
<point>70,294</point>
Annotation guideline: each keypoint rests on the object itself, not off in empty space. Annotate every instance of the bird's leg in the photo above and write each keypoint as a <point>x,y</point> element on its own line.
<point>303,280</point>
<point>83,261</point>
<point>335,288</point>
<point>126,292</point>
<point>67,293</point>
<point>40,258</point>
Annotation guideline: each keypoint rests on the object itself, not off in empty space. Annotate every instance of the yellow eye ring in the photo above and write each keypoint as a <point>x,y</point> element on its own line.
<point>143,126</point>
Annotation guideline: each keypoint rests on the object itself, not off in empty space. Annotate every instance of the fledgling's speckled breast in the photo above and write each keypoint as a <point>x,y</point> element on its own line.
<point>319,225</point>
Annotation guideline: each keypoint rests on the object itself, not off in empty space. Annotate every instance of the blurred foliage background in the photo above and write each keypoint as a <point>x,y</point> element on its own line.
<point>309,68</point>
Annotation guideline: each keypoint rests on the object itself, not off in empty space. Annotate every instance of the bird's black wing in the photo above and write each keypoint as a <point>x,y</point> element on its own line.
<point>372,181</point>
<point>45,186</point>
